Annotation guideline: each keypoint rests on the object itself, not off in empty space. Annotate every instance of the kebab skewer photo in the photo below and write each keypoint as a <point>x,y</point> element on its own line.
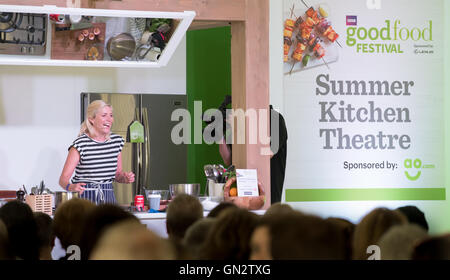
<point>321,24</point>
<point>287,33</point>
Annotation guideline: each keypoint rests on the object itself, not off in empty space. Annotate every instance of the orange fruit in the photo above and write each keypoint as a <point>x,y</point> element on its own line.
<point>233,192</point>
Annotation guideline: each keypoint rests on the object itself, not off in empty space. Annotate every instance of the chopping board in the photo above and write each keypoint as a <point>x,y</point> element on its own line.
<point>65,44</point>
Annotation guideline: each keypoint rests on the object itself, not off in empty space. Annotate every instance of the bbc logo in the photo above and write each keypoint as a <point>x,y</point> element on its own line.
<point>373,4</point>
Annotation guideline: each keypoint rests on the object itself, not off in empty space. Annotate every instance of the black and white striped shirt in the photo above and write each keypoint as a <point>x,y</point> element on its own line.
<point>98,160</point>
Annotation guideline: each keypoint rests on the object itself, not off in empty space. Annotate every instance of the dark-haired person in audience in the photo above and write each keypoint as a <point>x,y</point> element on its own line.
<point>183,211</point>
<point>194,239</point>
<point>278,208</point>
<point>45,235</point>
<point>433,248</point>
<point>399,241</point>
<point>229,237</point>
<point>5,252</point>
<point>219,208</point>
<point>370,229</point>
<point>297,236</point>
<point>69,220</point>
<point>347,228</point>
<point>22,230</point>
<point>414,215</point>
<point>100,219</point>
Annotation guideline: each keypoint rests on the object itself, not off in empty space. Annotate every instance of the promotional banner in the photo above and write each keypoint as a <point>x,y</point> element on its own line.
<point>364,100</point>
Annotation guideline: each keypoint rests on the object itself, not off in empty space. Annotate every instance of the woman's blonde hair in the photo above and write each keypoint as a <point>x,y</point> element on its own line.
<point>93,108</point>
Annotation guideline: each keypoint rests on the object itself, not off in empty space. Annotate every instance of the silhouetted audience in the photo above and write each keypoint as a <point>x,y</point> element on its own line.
<point>433,248</point>
<point>219,208</point>
<point>372,227</point>
<point>347,229</point>
<point>183,211</point>
<point>414,215</point>
<point>230,233</point>
<point>5,252</point>
<point>98,221</point>
<point>399,241</point>
<point>278,208</point>
<point>131,240</point>
<point>194,239</point>
<point>229,237</point>
<point>45,235</point>
<point>22,230</point>
<point>69,220</point>
<point>297,236</point>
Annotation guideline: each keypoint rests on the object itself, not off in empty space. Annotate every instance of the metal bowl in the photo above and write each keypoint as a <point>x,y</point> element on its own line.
<point>61,197</point>
<point>121,46</point>
<point>191,189</point>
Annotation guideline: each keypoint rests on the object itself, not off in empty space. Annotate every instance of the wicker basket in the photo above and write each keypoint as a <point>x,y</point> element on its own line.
<point>41,203</point>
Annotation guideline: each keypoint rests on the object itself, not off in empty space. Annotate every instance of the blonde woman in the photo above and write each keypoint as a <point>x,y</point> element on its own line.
<point>96,157</point>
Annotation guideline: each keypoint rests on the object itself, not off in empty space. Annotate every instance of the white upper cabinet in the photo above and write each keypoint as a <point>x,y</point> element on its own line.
<point>54,36</point>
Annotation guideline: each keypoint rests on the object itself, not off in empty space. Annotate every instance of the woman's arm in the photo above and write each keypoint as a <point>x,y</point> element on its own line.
<point>123,177</point>
<point>71,162</point>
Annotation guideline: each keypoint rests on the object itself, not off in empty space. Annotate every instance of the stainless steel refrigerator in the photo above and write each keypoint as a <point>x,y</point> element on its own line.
<point>157,162</point>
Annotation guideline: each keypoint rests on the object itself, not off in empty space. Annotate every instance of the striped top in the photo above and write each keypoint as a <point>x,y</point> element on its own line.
<point>98,160</point>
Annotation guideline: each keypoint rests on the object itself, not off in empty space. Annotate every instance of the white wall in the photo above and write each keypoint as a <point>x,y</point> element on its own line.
<point>276,55</point>
<point>40,111</point>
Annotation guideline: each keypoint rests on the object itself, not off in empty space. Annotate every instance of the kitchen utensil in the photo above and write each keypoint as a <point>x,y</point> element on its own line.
<point>208,171</point>
<point>121,46</point>
<point>41,187</point>
<point>191,189</point>
<point>34,190</point>
<point>61,197</point>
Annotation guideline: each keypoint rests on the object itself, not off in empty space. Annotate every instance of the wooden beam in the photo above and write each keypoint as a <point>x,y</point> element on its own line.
<point>238,87</point>
<point>250,84</point>
<point>206,24</point>
<point>221,10</point>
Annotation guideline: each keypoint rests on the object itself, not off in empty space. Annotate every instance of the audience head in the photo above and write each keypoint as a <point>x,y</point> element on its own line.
<point>219,208</point>
<point>347,228</point>
<point>45,235</point>
<point>100,219</point>
<point>297,236</point>
<point>399,241</point>
<point>372,226</point>
<point>433,248</point>
<point>22,230</point>
<point>69,219</point>
<point>229,237</point>
<point>4,242</point>
<point>182,212</point>
<point>278,209</point>
<point>414,215</point>
<point>195,236</point>
<point>131,240</point>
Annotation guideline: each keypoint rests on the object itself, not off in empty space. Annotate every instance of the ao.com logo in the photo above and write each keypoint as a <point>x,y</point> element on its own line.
<point>387,38</point>
<point>414,168</point>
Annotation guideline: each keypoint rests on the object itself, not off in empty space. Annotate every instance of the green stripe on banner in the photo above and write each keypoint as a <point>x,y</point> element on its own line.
<point>370,194</point>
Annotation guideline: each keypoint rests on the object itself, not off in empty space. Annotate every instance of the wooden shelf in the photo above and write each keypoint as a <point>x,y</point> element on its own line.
<point>183,21</point>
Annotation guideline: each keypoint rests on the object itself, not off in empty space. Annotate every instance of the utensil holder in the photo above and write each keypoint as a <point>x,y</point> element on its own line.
<point>40,203</point>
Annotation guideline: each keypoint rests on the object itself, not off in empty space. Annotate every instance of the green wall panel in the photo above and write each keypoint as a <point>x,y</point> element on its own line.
<point>208,79</point>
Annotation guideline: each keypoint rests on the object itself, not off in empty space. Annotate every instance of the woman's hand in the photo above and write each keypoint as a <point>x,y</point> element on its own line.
<point>77,188</point>
<point>125,177</point>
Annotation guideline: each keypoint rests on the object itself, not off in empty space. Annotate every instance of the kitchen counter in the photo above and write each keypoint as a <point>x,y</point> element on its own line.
<point>156,222</point>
